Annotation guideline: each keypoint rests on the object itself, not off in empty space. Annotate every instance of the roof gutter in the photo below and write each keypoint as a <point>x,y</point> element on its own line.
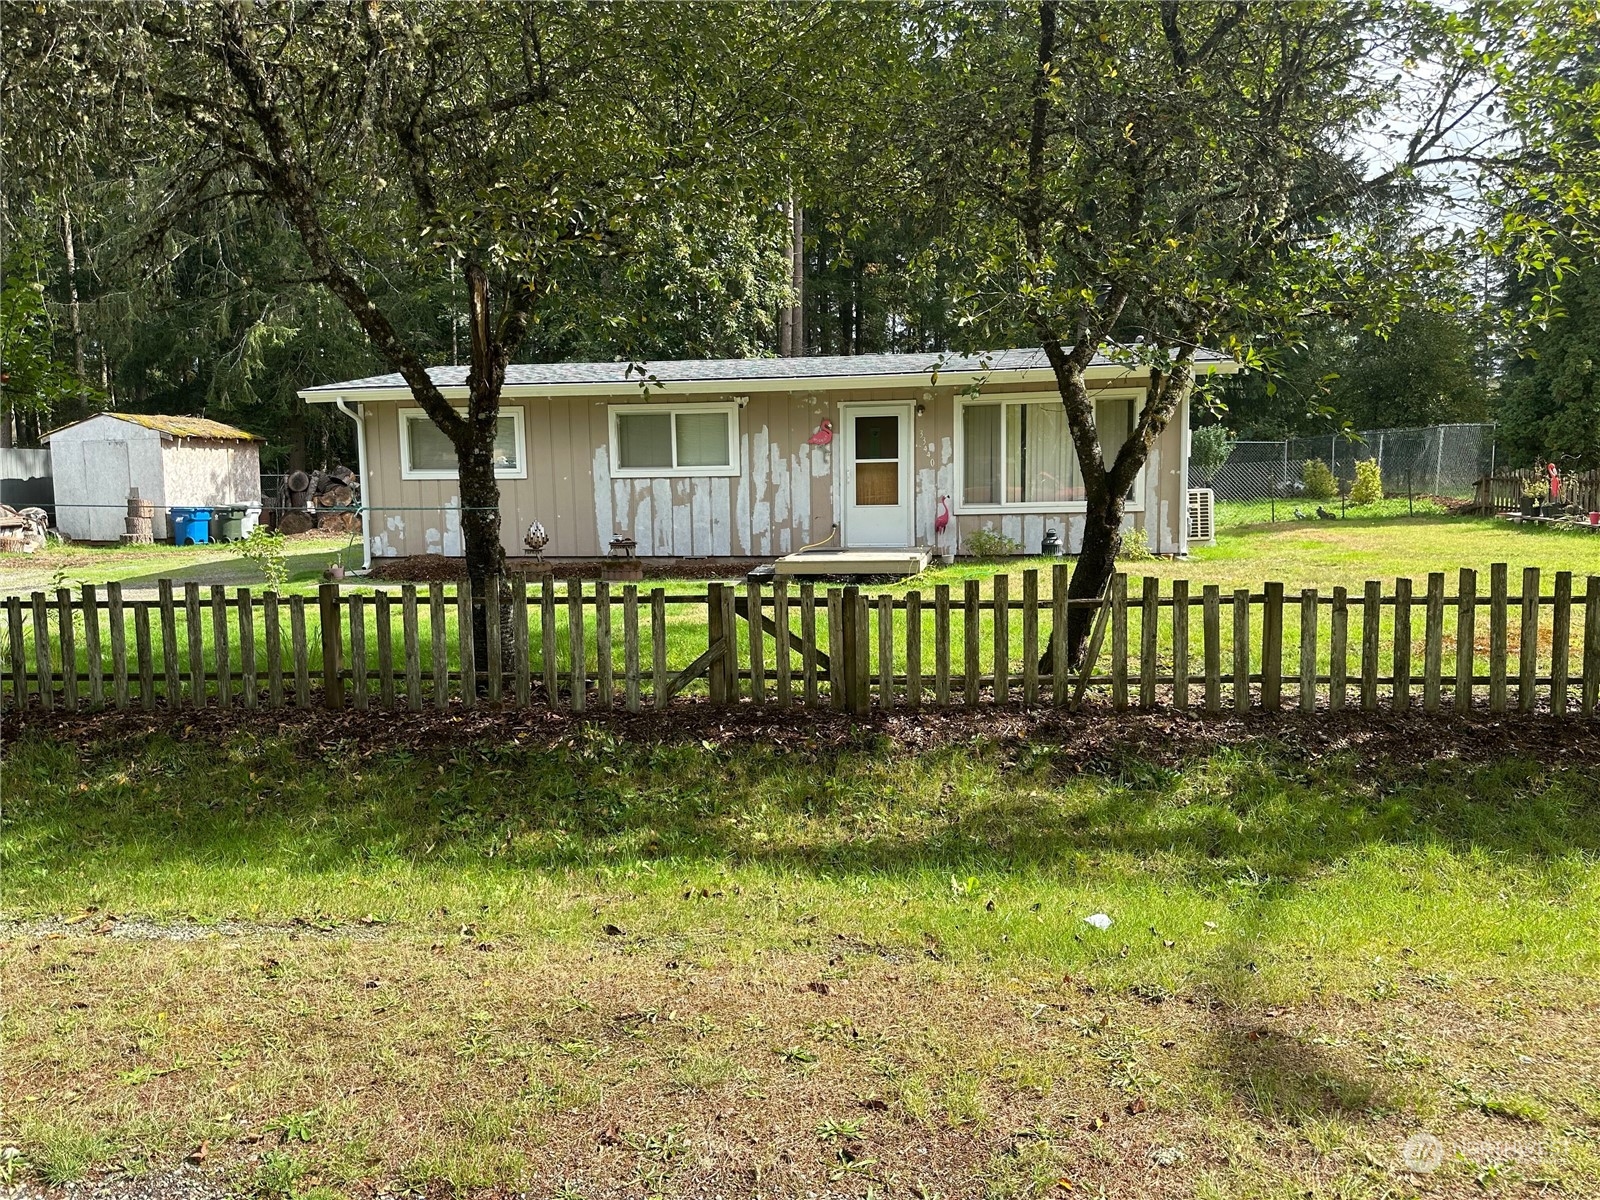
<point>361,473</point>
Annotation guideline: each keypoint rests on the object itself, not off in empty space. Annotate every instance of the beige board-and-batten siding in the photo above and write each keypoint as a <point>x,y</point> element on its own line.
<point>783,497</point>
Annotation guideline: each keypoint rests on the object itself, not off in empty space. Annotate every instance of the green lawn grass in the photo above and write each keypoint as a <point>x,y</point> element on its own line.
<point>516,962</point>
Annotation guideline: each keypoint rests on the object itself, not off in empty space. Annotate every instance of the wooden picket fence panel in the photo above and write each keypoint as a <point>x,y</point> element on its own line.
<point>1504,643</point>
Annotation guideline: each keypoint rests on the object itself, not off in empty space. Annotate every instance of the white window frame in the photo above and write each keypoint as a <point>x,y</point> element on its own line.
<point>730,407</point>
<point>1136,504</point>
<point>407,471</point>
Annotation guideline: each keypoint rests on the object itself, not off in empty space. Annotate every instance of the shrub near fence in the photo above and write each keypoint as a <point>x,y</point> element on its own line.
<point>588,648</point>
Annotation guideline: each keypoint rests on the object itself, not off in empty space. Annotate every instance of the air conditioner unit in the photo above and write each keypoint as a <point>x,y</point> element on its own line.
<point>1202,517</point>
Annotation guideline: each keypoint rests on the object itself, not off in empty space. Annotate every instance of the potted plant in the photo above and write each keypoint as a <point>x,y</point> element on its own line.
<point>335,571</point>
<point>1534,492</point>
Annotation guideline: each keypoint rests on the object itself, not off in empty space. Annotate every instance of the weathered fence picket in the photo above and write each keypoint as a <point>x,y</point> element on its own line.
<point>875,651</point>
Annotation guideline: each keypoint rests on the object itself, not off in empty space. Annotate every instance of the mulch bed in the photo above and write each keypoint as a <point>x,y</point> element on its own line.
<point>1095,738</point>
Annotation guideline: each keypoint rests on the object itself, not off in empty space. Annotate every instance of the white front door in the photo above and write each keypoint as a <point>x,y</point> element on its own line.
<point>877,475</point>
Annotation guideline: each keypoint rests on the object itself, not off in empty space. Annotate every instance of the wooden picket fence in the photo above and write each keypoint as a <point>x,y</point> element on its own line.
<point>590,647</point>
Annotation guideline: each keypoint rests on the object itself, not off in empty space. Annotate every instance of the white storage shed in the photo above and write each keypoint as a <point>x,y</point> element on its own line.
<point>173,461</point>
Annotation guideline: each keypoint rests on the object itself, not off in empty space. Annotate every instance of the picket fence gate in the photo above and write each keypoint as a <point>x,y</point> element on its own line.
<point>839,647</point>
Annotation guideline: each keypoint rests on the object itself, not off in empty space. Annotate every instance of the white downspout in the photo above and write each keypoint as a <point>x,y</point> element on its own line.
<point>361,473</point>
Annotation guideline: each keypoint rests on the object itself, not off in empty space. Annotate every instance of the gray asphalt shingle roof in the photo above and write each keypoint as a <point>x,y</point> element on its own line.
<point>744,370</point>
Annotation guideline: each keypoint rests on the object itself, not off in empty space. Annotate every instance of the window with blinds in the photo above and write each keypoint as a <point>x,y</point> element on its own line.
<point>1018,453</point>
<point>654,440</point>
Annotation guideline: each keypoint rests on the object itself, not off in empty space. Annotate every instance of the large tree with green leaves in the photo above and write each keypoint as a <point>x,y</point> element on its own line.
<point>515,148</point>
<point>1144,180</point>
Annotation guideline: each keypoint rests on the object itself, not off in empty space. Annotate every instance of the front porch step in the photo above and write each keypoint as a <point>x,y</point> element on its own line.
<point>910,561</point>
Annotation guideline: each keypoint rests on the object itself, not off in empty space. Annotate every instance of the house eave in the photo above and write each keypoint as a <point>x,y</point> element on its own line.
<point>1102,374</point>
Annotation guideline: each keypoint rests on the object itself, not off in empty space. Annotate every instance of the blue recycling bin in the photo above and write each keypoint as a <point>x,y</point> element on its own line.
<point>190,526</point>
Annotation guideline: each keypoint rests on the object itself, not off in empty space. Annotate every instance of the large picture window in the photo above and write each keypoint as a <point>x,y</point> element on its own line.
<point>1017,453</point>
<point>425,452</point>
<point>655,440</point>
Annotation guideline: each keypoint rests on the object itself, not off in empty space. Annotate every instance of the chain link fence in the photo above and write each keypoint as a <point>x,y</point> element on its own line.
<point>1432,464</point>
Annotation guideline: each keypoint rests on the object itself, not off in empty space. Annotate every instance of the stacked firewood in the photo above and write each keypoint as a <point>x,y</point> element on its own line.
<point>323,500</point>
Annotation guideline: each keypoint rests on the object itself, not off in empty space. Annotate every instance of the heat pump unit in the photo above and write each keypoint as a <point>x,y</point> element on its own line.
<point>1202,517</point>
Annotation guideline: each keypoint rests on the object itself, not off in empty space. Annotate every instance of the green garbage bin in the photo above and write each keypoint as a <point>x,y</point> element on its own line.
<point>227,525</point>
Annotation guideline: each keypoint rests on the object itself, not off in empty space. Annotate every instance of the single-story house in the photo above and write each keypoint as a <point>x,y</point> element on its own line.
<point>173,461</point>
<point>757,458</point>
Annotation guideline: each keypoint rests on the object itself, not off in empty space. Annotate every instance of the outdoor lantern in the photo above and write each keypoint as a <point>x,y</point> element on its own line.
<point>1051,547</point>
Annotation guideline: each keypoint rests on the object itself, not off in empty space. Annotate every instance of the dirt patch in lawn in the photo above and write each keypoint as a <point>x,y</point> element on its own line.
<point>630,1067</point>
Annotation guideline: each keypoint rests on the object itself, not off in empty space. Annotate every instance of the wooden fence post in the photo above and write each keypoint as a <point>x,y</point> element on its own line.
<point>1591,647</point>
<point>45,671</point>
<point>885,651</point>
<point>411,635</point>
<point>273,635</point>
<point>730,622</point>
<point>914,649</point>
<point>119,645</point>
<point>494,631</point>
<point>467,640</point>
<point>1433,643</point>
<point>1371,628</point>
<point>1030,637</point>
<point>1060,584</point>
<point>438,648</point>
<point>328,618</point>
<point>66,625</point>
<point>716,678</point>
<point>1241,650</point>
<point>577,655</point>
<point>658,646</point>
<point>1308,649</point>
<point>547,642</point>
<point>783,650</point>
<point>302,663</point>
<point>147,663</point>
<point>91,648</point>
<point>630,647</point>
<point>197,644</point>
<point>1211,644</point>
<point>221,651</point>
<point>1180,644</point>
<point>520,649</point>
<point>808,641</point>
<point>941,645</point>
<point>758,648</point>
<point>971,632</point>
<point>849,633</point>
<point>383,627</point>
<point>19,648</point>
<point>248,691</point>
<point>1401,698</point>
<point>1528,647</point>
<point>1338,650</point>
<point>1497,637</point>
<point>1466,638</point>
<point>1000,586</point>
<point>1561,642</point>
<point>605,667</point>
<point>1119,640</point>
<point>358,651</point>
<point>169,644</point>
<point>1272,647</point>
<point>861,699</point>
<point>836,655</point>
<point>1149,635</point>
<point>41,653</point>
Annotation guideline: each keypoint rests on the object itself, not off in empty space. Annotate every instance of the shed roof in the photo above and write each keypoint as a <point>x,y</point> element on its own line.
<point>816,371</point>
<point>178,427</point>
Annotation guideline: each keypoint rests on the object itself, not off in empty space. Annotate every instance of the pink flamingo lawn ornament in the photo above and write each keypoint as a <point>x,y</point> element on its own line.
<point>941,520</point>
<point>824,434</point>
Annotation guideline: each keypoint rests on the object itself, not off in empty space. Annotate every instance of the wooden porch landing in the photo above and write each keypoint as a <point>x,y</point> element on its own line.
<point>910,561</point>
